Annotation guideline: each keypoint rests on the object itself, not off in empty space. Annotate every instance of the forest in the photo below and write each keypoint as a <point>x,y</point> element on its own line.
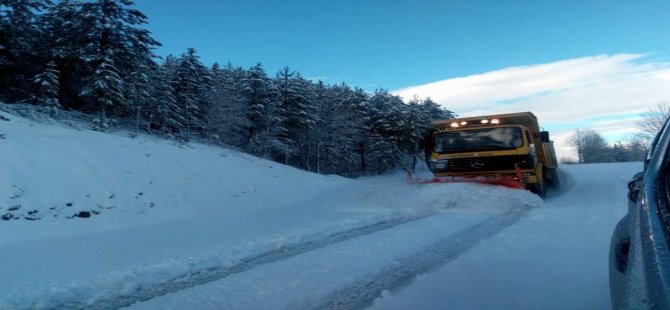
<point>97,58</point>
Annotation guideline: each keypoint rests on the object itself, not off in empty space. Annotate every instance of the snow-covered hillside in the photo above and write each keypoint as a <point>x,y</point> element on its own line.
<point>59,176</point>
<point>94,220</point>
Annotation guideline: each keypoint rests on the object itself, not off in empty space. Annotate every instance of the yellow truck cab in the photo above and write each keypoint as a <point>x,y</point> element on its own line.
<point>503,145</point>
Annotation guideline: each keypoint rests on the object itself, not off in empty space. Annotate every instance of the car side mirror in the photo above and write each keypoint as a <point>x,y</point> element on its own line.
<point>634,186</point>
<point>544,136</point>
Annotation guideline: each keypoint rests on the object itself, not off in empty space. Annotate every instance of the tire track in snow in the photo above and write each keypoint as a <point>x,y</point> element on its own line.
<point>363,293</point>
<point>203,276</point>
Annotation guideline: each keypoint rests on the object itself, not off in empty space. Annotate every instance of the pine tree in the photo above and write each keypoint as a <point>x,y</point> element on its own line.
<point>308,120</point>
<point>20,35</point>
<point>412,132</point>
<point>340,133</point>
<point>192,86</point>
<point>113,47</point>
<point>386,127</point>
<point>265,116</point>
<point>63,44</point>
<point>165,114</point>
<point>139,93</point>
<point>226,116</point>
<point>46,85</point>
<point>433,111</point>
<point>106,87</point>
<point>294,108</point>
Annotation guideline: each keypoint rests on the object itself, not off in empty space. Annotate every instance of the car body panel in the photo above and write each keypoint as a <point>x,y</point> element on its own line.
<point>639,252</point>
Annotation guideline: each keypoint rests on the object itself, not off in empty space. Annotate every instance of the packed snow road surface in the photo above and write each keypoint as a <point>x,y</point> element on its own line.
<point>349,274</point>
<point>556,257</point>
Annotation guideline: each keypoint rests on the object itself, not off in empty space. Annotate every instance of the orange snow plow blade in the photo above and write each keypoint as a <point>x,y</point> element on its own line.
<point>502,181</point>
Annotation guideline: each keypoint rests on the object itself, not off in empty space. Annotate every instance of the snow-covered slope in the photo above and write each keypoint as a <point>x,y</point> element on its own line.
<point>54,174</point>
<point>195,226</point>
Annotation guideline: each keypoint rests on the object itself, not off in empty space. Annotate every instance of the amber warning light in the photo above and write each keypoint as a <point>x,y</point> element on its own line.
<point>494,121</point>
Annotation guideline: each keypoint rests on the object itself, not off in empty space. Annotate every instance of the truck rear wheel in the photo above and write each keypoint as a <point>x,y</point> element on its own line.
<point>551,178</point>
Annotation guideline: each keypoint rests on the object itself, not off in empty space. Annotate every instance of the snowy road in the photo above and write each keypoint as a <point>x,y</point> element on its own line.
<point>351,273</point>
<point>199,277</point>
<point>554,257</point>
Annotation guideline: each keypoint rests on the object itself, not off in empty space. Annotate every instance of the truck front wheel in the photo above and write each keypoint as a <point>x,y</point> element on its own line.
<point>537,189</point>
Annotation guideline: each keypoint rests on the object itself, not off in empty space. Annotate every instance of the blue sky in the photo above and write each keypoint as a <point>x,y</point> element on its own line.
<point>393,44</point>
<point>475,54</point>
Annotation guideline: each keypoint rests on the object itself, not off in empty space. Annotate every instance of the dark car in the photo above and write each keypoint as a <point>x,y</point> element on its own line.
<point>639,252</point>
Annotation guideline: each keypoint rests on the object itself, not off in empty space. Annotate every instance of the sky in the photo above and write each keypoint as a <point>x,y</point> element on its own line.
<point>576,64</point>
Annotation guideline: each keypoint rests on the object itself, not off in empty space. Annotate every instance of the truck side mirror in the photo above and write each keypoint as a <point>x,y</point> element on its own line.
<point>544,136</point>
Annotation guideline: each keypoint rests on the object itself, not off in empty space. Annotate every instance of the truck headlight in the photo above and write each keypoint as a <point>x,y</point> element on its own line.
<point>439,164</point>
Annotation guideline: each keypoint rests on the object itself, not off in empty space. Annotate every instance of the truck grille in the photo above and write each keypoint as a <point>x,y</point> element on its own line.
<point>490,163</point>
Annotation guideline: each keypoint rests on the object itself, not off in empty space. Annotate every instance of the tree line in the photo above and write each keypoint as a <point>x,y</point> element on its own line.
<point>95,57</point>
<point>591,147</point>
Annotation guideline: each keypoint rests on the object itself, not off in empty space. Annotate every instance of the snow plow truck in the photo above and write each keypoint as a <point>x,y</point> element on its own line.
<point>504,149</point>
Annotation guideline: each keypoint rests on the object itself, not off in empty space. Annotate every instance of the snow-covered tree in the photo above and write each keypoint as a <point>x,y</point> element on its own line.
<point>46,86</point>
<point>106,87</point>
<point>139,91</point>
<point>20,34</point>
<point>387,121</point>
<point>192,87</point>
<point>113,46</point>
<point>265,116</point>
<point>165,114</point>
<point>340,133</point>
<point>64,45</point>
<point>226,117</point>
<point>295,108</point>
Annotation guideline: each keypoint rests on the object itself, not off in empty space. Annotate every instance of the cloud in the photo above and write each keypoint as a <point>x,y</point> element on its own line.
<point>605,93</point>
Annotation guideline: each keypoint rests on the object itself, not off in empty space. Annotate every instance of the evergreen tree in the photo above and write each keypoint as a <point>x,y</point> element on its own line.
<point>105,87</point>
<point>433,111</point>
<point>294,107</point>
<point>20,34</point>
<point>192,86</point>
<point>166,115</point>
<point>226,117</point>
<point>63,44</point>
<point>139,93</point>
<point>386,126</point>
<point>264,135</point>
<point>46,86</point>
<point>113,47</point>
<point>412,132</point>
<point>341,130</point>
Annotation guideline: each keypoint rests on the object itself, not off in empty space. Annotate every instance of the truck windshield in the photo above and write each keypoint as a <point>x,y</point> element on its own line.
<point>498,138</point>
